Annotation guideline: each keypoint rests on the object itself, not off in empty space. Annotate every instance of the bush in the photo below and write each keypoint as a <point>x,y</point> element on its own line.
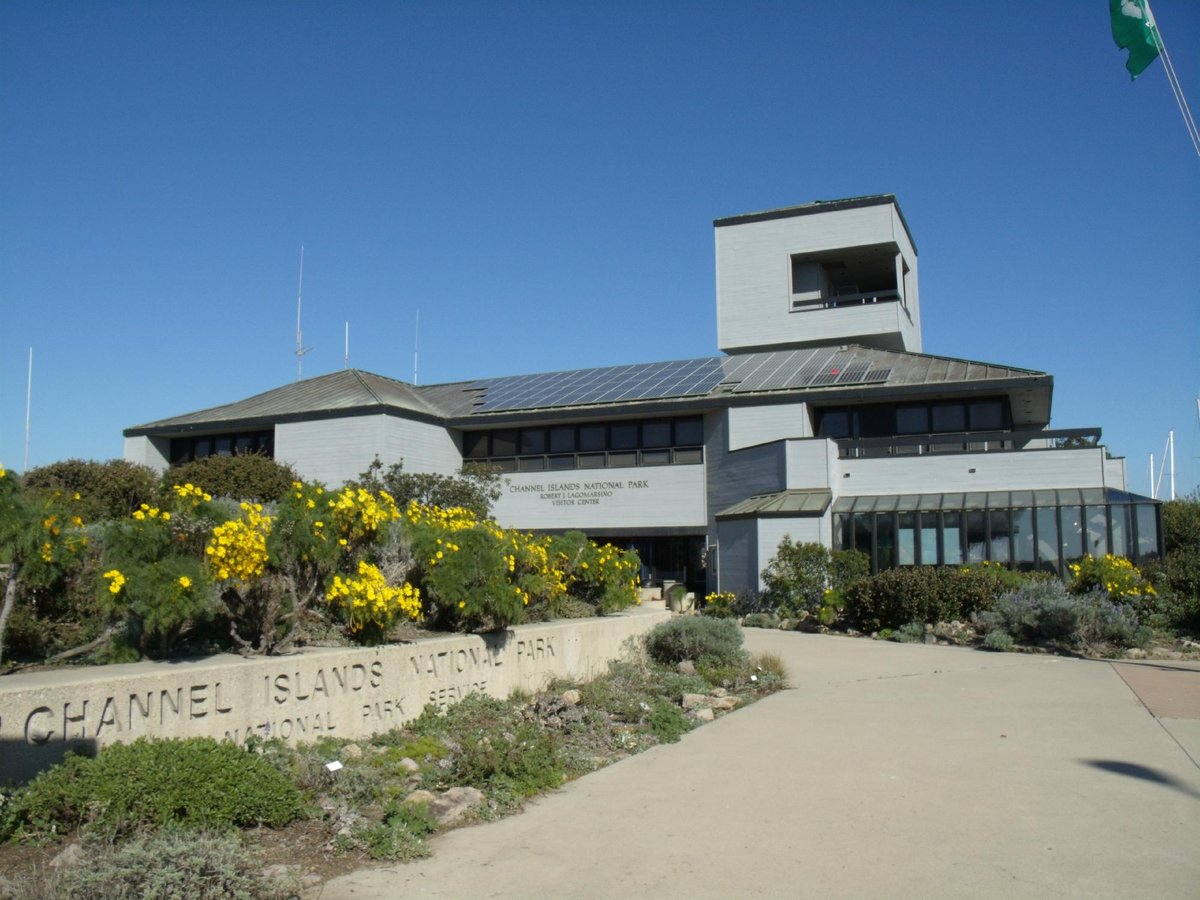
<point>999,641</point>
<point>1177,574</point>
<point>796,578</point>
<point>721,605</point>
<point>172,864</point>
<point>1046,612</point>
<point>847,567</point>
<point>714,643</point>
<point>198,782</point>
<point>107,490</point>
<point>475,488</point>
<point>253,477</point>
<point>925,594</point>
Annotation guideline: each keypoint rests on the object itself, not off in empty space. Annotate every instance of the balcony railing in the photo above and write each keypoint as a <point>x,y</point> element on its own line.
<point>599,459</point>
<point>890,295</point>
<point>965,442</point>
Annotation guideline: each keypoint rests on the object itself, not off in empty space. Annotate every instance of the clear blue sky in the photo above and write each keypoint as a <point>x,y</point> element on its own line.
<point>540,180</point>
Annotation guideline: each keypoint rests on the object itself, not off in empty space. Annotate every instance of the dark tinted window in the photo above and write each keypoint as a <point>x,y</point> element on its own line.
<point>475,444</point>
<point>504,442</point>
<point>562,439</point>
<point>949,417</point>
<point>533,440</point>
<point>624,436</point>
<point>656,433</point>
<point>593,437</point>
<point>689,432</point>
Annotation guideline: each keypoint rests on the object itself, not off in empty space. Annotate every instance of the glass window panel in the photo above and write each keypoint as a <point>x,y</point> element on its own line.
<point>504,442</point>
<point>624,436</point>
<point>987,415</point>
<point>689,455</point>
<point>475,444</point>
<point>907,502</point>
<point>656,433</point>
<point>906,553</point>
<point>949,417</point>
<point>593,460</point>
<point>266,444</point>
<point>689,432</point>
<point>875,421</point>
<point>1147,530</point>
<point>1122,529</point>
<point>952,536</point>
<point>563,462</point>
<point>1072,532</point>
<point>1022,530</point>
<point>912,419</point>
<point>1097,531</point>
<point>181,450</point>
<point>533,441</point>
<point>976,536</point>
<point>629,458</point>
<point>843,532</point>
<point>999,535</point>
<point>835,423</point>
<point>593,437</point>
<point>656,457</point>
<point>929,539</point>
<point>244,444</point>
<point>864,539</point>
<point>223,446</point>
<point>1047,538</point>
<point>532,464</point>
<point>885,541</point>
<point>562,439</point>
<point>202,448</point>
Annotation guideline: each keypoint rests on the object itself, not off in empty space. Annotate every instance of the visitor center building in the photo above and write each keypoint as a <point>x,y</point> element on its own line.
<point>821,419</point>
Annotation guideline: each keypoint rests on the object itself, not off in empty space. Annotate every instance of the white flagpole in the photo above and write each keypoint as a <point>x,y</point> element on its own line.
<point>1173,80</point>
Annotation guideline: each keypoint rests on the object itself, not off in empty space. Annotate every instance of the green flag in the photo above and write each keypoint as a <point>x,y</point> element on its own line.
<point>1134,30</point>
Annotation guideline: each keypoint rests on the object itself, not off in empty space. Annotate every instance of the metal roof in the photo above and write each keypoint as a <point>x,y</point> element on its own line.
<point>780,503</point>
<point>780,373</point>
<point>349,390</point>
<point>886,503</point>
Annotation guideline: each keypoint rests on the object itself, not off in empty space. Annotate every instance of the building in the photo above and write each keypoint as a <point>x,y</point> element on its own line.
<point>822,420</point>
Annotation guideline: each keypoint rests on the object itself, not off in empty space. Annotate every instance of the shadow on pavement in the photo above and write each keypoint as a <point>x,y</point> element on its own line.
<point>1133,770</point>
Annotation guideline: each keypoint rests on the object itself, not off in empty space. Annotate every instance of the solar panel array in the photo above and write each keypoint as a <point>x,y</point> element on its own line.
<point>779,370</point>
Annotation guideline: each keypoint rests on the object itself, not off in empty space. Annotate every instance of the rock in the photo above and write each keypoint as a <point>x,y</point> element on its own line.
<point>718,692</point>
<point>352,751</point>
<point>687,667</point>
<point>694,701</point>
<point>421,796</point>
<point>703,714</point>
<point>449,807</point>
<point>1135,653</point>
<point>70,855</point>
<point>410,765</point>
<point>571,697</point>
<point>725,703</point>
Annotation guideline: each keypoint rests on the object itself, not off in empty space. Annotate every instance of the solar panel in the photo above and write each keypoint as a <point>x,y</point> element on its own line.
<point>769,371</point>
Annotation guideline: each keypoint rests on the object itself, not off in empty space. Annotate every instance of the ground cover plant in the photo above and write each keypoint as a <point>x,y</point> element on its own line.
<point>479,759</point>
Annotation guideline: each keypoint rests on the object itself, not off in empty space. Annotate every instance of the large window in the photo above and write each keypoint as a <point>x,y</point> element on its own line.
<point>1045,530</point>
<point>202,446</point>
<point>629,442</point>
<point>879,420</point>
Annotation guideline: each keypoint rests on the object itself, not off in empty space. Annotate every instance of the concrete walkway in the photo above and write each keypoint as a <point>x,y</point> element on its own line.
<point>891,770</point>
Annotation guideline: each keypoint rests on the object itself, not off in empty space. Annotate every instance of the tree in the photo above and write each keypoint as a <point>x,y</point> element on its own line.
<point>475,488</point>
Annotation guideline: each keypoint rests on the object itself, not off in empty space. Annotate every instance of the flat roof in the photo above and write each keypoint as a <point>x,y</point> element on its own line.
<point>819,206</point>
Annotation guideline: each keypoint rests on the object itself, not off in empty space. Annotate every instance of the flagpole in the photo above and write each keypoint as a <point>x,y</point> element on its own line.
<point>1173,79</point>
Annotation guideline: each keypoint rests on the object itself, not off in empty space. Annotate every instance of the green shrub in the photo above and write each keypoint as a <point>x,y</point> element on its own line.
<point>198,782</point>
<point>668,722</point>
<point>1177,575</point>
<point>707,642</point>
<point>796,578</point>
<point>400,836</point>
<point>908,633</point>
<point>1046,611</point>
<point>252,477</point>
<point>107,490</point>
<point>846,567</point>
<point>923,594</point>
<point>999,641</point>
<point>172,864</point>
<point>720,605</point>
<point>761,620</point>
<point>475,488</point>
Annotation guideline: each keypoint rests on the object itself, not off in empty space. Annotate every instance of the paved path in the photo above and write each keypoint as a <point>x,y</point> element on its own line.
<point>892,770</point>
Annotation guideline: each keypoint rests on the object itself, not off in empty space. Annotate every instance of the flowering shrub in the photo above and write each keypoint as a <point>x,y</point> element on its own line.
<point>1114,574</point>
<point>358,515</point>
<point>370,603</point>
<point>1045,611</point>
<point>238,548</point>
<point>601,575</point>
<point>721,605</point>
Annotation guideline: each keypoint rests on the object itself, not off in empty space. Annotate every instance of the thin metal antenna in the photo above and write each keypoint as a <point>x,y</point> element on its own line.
<point>416,342</point>
<point>28,405</point>
<point>300,348</point>
<point>346,358</point>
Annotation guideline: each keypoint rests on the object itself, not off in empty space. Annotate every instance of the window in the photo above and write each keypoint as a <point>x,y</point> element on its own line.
<point>912,420</point>
<point>475,444</point>
<point>245,443</point>
<point>533,441</point>
<point>562,439</point>
<point>624,436</point>
<point>987,415</point>
<point>689,432</point>
<point>593,437</point>
<point>948,417</point>
<point>656,433</point>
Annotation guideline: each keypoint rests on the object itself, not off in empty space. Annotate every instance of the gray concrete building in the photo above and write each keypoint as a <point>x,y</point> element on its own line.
<point>822,420</point>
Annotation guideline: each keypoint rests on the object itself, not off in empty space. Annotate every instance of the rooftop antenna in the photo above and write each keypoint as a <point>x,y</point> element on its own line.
<point>300,348</point>
<point>28,405</point>
<point>346,358</point>
<point>416,340</point>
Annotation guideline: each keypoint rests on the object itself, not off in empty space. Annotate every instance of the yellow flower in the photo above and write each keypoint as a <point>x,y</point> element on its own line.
<point>185,582</point>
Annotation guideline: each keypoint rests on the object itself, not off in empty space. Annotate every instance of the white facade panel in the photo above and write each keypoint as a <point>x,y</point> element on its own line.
<point>1115,473</point>
<point>1002,471</point>
<point>753,425</point>
<point>734,476</point>
<point>147,451</point>
<point>811,463</point>
<point>598,499</point>
<point>331,450</point>
<point>422,447</point>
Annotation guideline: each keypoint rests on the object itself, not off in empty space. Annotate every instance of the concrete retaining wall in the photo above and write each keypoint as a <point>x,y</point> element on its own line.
<point>317,692</point>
